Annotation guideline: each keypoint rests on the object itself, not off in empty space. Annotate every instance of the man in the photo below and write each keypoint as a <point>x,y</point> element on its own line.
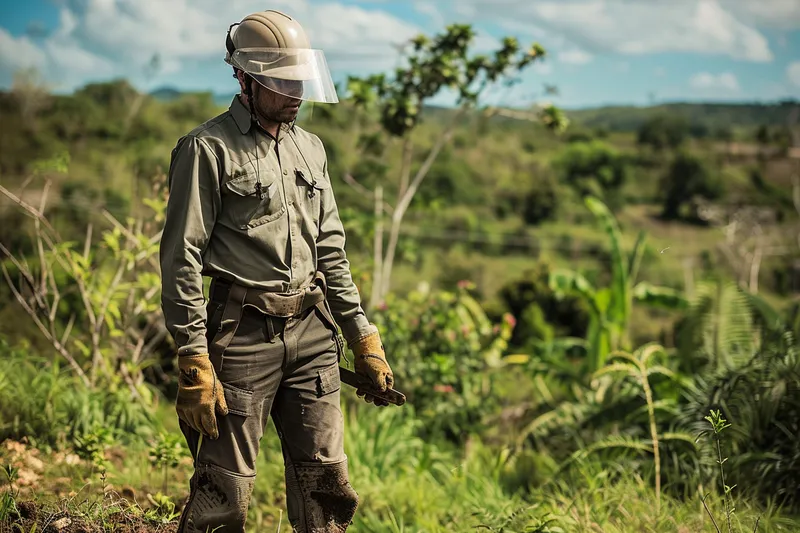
<point>251,206</point>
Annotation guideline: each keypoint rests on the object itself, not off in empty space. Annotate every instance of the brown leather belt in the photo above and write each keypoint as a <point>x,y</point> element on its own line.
<point>282,305</point>
<point>233,298</point>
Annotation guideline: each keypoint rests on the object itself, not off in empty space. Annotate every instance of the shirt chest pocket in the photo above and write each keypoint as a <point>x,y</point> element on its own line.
<point>311,184</point>
<point>253,198</point>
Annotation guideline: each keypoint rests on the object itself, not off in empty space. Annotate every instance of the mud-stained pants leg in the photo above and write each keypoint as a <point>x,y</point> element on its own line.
<point>308,417</point>
<point>248,364</point>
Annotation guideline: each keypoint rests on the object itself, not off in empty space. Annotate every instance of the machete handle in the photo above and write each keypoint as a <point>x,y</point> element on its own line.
<point>365,384</point>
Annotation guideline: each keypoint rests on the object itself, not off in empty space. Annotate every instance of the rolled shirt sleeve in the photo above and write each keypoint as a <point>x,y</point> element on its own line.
<point>343,295</point>
<point>194,201</point>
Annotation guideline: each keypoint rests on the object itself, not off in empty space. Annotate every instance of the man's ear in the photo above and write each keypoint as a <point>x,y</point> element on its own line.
<point>242,82</point>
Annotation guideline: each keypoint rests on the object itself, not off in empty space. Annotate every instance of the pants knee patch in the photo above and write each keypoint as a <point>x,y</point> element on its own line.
<point>320,497</point>
<point>218,498</point>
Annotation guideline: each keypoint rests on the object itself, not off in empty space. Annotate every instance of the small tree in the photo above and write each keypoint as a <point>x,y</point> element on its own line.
<point>687,178</point>
<point>433,65</point>
<point>662,131</point>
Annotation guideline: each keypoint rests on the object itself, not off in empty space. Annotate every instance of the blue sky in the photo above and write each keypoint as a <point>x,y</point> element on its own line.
<point>600,51</point>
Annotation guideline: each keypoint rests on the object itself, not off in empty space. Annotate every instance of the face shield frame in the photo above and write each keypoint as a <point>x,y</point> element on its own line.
<point>300,73</point>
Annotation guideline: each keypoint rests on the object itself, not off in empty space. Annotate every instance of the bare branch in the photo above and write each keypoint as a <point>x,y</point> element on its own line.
<point>25,275</point>
<point>405,167</point>
<point>377,282</point>
<point>132,238</point>
<point>87,244</point>
<point>710,515</point>
<point>39,246</point>
<point>68,329</point>
<point>351,180</point>
<point>28,208</point>
<point>443,139</point>
<point>405,200</point>
<point>56,344</point>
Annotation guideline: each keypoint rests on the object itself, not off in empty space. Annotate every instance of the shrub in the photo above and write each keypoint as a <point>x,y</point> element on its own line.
<point>444,352</point>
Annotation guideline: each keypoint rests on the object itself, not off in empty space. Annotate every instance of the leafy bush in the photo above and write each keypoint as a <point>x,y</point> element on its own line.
<point>444,352</point>
<point>539,312</point>
<point>762,399</point>
<point>593,168</point>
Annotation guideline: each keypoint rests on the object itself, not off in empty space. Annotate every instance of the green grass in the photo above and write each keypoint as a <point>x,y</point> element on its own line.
<point>404,483</point>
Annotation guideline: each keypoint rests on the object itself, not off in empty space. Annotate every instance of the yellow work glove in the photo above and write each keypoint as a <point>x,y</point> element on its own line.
<point>370,361</point>
<point>200,394</point>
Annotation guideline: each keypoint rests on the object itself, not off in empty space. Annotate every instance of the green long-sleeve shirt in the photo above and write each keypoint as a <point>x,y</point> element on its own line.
<point>257,214</point>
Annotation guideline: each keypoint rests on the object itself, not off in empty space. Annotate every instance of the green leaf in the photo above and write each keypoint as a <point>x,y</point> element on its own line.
<point>613,368</point>
<point>662,297</point>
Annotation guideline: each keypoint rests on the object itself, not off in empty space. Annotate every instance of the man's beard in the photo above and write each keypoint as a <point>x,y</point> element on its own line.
<point>275,108</point>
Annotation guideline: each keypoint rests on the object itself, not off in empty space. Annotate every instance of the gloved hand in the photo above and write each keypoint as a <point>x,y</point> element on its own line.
<point>200,394</point>
<point>370,361</point>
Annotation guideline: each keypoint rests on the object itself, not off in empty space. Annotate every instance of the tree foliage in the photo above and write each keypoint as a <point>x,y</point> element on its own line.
<point>663,131</point>
<point>687,178</point>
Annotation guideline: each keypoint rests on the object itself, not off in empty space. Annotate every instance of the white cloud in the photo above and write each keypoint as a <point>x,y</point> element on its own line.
<point>435,17</point>
<point>705,80</point>
<point>575,56</point>
<point>632,27</point>
<point>97,39</point>
<point>19,53</point>
<point>660,72</point>
<point>793,73</point>
<point>361,39</point>
<point>781,14</point>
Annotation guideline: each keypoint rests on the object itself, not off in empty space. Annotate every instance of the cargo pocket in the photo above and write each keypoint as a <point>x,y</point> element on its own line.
<point>328,381</point>
<point>239,401</point>
<point>253,199</point>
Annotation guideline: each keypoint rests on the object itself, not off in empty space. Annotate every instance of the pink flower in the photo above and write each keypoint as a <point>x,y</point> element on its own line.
<point>509,319</point>
<point>443,388</point>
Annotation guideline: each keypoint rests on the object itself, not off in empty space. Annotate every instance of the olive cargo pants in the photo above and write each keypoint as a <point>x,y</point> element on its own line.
<point>286,368</point>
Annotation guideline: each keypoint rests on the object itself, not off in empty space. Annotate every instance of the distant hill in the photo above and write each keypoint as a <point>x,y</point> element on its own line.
<point>706,116</point>
<point>711,116</point>
<point>168,94</point>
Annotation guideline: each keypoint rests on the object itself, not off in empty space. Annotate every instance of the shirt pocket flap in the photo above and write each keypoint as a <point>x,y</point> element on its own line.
<point>246,184</point>
<point>314,178</point>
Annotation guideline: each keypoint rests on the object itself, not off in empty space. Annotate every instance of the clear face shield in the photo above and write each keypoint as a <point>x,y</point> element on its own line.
<point>300,73</point>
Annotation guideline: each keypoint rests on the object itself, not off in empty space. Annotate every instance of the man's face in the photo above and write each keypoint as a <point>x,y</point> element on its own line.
<point>276,106</point>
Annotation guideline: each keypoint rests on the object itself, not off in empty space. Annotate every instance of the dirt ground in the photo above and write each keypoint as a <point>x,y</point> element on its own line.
<point>32,517</point>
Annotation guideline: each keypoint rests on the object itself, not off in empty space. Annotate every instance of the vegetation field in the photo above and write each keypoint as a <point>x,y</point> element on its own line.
<point>595,322</point>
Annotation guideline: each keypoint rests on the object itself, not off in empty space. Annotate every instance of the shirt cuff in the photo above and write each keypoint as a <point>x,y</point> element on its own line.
<point>356,328</point>
<point>194,345</point>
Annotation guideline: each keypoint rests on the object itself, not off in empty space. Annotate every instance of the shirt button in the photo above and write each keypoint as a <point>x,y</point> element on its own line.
<point>285,172</point>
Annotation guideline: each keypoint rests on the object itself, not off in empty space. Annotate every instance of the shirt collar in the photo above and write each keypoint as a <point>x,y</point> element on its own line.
<point>241,115</point>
